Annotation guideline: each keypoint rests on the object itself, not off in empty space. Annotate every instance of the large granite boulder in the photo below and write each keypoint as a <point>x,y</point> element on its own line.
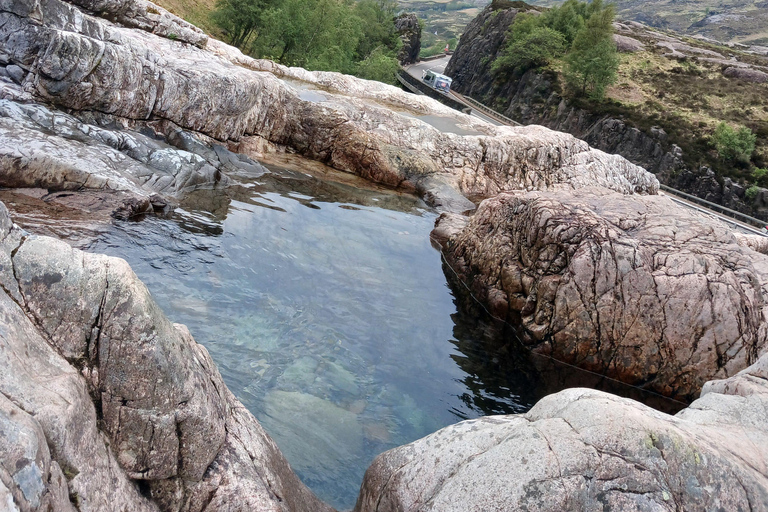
<point>582,449</point>
<point>634,287</point>
<point>107,405</point>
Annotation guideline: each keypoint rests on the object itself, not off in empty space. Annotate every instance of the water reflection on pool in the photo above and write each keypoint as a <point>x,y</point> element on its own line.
<point>326,311</point>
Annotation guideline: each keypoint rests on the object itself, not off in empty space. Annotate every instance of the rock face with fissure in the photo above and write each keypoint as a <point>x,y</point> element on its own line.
<point>107,404</point>
<point>630,286</point>
<point>132,76</point>
<point>582,449</point>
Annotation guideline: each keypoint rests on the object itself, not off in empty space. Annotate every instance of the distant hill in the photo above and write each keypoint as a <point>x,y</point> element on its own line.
<point>728,21</point>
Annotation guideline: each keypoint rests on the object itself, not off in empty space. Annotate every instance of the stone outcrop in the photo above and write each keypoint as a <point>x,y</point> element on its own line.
<point>634,287</point>
<point>407,26</point>
<point>627,44</point>
<point>107,405</point>
<point>587,450</point>
<point>748,75</point>
<point>41,148</point>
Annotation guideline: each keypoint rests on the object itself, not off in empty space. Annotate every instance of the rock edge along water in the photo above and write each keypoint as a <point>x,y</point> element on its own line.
<point>583,449</point>
<point>92,68</point>
<point>107,405</point>
<point>633,287</point>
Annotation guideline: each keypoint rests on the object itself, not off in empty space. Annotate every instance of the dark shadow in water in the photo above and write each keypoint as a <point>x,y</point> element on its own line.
<point>506,377</point>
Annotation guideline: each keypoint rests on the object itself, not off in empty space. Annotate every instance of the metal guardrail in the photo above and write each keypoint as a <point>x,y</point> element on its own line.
<point>489,111</point>
<point>415,85</point>
<point>717,208</point>
<point>435,57</point>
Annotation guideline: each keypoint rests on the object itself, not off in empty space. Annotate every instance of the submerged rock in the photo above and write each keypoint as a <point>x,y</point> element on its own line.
<point>122,409</point>
<point>582,449</point>
<point>634,287</point>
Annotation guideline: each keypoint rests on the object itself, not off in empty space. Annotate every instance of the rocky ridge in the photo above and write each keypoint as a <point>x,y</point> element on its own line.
<point>407,25</point>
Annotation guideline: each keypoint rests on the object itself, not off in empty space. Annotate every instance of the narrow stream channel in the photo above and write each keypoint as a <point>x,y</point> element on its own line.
<point>328,314</point>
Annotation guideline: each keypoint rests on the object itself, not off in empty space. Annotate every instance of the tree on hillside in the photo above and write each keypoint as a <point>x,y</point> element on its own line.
<point>734,145</point>
<point>592,62</point>
<point>239,19</point>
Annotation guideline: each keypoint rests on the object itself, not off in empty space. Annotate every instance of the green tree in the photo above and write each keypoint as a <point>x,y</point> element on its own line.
<point>530,49</point>
<point>568,18</point>
<point>315,34</point>
<point>375,18</point>
<point>239,19</point>
<point>379,65</point>
<point>592,63</point>
<point>734,145</point>
<point>331,35</point>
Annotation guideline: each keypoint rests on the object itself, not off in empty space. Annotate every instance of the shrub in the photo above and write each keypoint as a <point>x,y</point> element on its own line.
<point>734,145</point>
<point>529,50</point>
<point>752,192</point>
<point>760,177</point>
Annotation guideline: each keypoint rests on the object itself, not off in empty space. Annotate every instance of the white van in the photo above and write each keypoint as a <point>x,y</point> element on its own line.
<point>437,81</point>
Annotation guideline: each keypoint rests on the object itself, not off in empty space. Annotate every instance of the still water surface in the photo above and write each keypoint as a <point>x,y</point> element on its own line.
<point>327,312</point>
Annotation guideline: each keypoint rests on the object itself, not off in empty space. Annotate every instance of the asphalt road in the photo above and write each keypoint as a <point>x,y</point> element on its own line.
<point>437,65</point>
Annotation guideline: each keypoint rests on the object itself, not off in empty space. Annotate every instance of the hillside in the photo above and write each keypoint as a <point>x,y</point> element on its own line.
<point>731,21</point>
<point>670,95</point>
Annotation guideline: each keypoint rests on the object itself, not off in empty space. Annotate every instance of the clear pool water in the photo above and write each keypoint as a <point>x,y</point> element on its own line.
<point>328,314</point>
<point>326,310</point>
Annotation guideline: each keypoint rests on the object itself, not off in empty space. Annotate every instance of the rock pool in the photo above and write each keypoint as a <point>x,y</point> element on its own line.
<point>328,314</point>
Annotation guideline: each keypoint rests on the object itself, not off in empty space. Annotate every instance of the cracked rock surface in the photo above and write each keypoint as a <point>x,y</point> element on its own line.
<point>634,287</point>
<point>583,449</point>
<point>107,405</point>
<point>132,72</point>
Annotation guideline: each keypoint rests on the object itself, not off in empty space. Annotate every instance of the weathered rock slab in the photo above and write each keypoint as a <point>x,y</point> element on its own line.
<point>122,410</point>
<point>587,450</point>
<point>630,286</point>
<point>82,63</point>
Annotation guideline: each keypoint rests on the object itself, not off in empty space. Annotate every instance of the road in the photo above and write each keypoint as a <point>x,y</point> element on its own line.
<point>438,66</point>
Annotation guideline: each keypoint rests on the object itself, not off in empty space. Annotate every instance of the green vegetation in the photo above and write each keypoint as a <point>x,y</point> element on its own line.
<point>330,35</point>
<point>528,49</point>
<point>581,32</point>
<point>435,46</point>
<point>751,192</point>
<point>591,64</point>
<point>760,177</point>
<point>743,21</point>
<point>734,145</point>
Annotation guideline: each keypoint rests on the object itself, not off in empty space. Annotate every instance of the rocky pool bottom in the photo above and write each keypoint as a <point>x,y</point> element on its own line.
<point>327,312</point>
